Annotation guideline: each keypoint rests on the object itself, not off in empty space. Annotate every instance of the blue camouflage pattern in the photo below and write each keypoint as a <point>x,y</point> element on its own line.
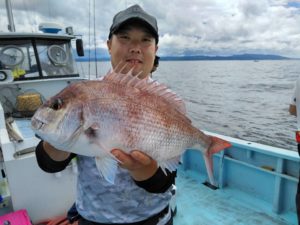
<point>123,202</point>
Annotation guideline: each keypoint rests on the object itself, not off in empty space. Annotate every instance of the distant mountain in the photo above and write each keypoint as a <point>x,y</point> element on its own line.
<point>102,55</point>
<point>92,59</point>
<point>89,55</point>
<point>232,57</point>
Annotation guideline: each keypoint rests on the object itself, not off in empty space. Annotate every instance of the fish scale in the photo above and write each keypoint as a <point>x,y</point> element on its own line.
<point>121,111</point>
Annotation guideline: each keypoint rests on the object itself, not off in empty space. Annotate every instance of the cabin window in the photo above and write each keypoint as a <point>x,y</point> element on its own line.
<point>56,58</point>
<point>17,57</point>
<point>37,58</point>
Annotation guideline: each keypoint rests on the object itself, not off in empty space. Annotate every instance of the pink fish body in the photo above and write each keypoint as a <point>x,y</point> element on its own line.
<point>122,112</point>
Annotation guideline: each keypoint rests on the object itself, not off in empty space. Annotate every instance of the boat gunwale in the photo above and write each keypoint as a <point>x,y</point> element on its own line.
<point>257,147</point>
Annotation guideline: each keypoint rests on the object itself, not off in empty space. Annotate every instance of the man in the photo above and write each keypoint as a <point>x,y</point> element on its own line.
<point>294,109</point>
<point>142,192</point>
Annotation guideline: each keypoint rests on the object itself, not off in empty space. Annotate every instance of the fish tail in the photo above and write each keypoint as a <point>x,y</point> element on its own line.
<point>217,145</point>
<point>209,168</point>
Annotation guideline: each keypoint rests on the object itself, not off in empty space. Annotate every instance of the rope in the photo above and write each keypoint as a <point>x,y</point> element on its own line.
<point>96,64</point>
<point>89,39</point>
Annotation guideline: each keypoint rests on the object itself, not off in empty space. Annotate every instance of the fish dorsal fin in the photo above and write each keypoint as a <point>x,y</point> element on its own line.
<point>146,85</point>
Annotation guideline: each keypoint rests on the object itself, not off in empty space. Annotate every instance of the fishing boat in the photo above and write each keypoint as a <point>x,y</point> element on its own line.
<point>255,183</point>
<point>33,66</point>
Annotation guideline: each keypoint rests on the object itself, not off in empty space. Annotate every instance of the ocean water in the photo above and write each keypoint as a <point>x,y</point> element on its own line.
<point>242,99</point>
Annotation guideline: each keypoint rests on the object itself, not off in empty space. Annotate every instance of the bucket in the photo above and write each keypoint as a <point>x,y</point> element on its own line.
<point>28,103</point>
<point>19,217</point>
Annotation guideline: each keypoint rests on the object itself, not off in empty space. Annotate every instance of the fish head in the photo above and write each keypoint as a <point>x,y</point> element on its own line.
<point>59,120</point>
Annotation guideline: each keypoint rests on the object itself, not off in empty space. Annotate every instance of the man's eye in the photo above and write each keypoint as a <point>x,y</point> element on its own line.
<point>147,39</point>
<point>125,37</point>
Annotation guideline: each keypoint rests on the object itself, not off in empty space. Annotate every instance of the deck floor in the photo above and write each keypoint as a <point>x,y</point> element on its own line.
<point>199,205</point>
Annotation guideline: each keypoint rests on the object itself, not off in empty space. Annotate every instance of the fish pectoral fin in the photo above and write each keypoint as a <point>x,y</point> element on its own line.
<point>90,133</point>
<point>107,167</point>
<point>92,125</point>
<point>170,164</point>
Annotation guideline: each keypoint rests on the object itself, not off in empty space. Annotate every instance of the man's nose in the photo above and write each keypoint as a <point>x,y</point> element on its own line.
<point>135,47</point>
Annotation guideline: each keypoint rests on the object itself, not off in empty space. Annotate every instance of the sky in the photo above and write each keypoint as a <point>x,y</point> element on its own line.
<point>186,27</point>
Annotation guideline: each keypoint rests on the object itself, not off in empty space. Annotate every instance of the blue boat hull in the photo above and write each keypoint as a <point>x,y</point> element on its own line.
<point>251,178</point>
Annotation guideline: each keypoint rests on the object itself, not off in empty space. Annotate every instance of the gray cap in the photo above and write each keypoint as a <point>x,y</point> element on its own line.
<point>134,12</point>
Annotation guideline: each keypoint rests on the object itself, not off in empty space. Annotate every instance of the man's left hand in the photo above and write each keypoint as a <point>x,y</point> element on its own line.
<point>140,165</point>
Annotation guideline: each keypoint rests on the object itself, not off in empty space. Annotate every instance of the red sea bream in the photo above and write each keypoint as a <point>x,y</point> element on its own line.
<point>124,112</point>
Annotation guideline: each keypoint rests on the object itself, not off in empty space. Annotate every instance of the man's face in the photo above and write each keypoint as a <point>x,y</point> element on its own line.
<point>134,46</point>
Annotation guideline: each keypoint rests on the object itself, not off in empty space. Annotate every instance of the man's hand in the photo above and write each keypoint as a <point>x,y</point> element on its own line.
<point>54,153</point>
<point>140,165</point>
<point>293,110</point>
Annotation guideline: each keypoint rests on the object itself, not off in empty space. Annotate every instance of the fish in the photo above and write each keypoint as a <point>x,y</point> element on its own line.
<point>122,111</point>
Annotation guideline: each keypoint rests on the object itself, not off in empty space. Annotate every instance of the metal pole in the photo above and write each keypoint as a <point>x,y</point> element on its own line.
<point>11,24</point>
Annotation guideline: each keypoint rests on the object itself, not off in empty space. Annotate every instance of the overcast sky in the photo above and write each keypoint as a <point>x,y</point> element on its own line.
<point>186,27</point>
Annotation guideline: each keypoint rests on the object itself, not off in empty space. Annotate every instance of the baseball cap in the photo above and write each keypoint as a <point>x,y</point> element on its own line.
<point>134,12</point>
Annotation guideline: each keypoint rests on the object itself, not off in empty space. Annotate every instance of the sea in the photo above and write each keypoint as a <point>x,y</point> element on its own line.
<point>245,99</point>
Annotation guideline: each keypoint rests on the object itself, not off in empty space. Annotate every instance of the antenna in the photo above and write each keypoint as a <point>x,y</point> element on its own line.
<point>11,24</point>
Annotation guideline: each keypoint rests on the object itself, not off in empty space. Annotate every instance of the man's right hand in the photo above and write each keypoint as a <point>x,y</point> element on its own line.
<point>55,154</point>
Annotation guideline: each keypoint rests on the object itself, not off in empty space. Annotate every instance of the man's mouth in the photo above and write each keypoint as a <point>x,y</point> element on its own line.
<point>134,61</point>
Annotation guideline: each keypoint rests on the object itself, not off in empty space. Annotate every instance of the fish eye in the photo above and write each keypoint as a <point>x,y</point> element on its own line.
<point>57,104</point>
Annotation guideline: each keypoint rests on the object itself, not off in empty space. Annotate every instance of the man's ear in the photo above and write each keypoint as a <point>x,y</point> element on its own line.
<point>108,43</point>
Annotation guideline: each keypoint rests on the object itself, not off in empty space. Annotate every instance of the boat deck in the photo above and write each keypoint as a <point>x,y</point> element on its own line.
<point>198,204</point>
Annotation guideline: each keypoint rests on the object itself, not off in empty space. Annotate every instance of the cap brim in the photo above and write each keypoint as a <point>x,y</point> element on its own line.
<point>135,19</point>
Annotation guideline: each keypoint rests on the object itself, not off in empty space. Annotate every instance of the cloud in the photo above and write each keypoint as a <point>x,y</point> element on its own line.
<point>211,27</point>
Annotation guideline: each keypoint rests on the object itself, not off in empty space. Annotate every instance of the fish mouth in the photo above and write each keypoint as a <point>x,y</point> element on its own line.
<point>37,124</point>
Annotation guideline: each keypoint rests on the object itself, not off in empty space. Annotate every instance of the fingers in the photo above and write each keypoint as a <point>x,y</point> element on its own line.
<point>141,157</point>
<point>140,166</point>
<point>133,160</point>
<point>122,156</point>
